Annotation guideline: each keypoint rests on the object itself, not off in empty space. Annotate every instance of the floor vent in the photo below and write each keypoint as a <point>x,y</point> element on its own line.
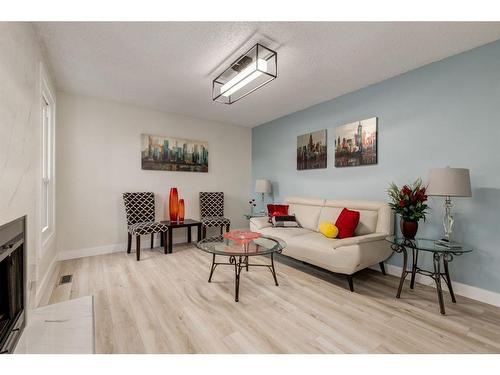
<point>66,279</point>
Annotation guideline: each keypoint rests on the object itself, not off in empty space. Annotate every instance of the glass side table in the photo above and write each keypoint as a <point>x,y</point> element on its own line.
<point>441,256</point>
<point>255,214</point>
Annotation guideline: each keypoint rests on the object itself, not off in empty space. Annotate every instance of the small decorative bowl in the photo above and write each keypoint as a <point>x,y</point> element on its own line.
<point>242,236</point>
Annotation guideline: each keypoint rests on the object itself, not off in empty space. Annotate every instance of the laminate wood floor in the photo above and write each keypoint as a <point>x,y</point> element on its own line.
<point>163,304</point>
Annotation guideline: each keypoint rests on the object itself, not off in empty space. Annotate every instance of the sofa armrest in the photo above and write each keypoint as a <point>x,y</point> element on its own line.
<point>257,223</point>
<point>359,239</point>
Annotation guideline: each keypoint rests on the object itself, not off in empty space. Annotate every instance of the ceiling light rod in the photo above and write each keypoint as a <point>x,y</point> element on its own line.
<point>250,71</point>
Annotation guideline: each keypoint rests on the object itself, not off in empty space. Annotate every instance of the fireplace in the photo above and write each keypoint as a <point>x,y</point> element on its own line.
<point>12,283</point>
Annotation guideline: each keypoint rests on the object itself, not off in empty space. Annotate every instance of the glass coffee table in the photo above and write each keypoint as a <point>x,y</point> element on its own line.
<point>440,254</point>
<point>239,252</point>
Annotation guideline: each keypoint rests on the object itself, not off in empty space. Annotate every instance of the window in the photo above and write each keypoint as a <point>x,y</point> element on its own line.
<point>47,175</point>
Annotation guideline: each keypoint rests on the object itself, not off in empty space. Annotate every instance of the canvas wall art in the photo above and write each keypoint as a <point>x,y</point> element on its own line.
<point>311,150</point>
<point>172,154</point>
<point>356,143</point>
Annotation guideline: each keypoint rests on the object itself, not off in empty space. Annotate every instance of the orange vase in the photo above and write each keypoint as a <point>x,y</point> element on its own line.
<point>181,209</point>
<point>173,204</point>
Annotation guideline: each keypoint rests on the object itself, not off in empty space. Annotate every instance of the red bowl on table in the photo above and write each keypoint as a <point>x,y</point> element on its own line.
<point>241,236</point>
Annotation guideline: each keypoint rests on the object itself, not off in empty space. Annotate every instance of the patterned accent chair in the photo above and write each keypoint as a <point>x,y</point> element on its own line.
<point>140,211</point>
<point>212,211</point>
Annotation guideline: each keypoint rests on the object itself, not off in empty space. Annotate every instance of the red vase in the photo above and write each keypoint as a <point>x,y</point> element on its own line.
<point>173,204</point>
<point>408,228</point>
<point>181,209</point>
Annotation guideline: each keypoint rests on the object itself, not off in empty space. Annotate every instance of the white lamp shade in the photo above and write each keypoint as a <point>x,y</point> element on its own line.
<point>449,182</point>
<point>262,186</point>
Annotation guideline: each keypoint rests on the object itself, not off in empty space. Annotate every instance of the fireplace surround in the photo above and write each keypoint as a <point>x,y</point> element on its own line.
<point>12,283</point>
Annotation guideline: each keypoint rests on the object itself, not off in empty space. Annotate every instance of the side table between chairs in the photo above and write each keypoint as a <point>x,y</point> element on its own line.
<point>187,223</point>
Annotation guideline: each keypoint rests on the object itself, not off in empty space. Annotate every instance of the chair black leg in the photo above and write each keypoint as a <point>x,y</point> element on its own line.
<point>138,247</point>
<point>382,267</point>
<point>227,228</point>
<point>129,242</point>
<point>204,232</point>
<point>152,239</point>
<point>351,285</point>
<point>221,229</point>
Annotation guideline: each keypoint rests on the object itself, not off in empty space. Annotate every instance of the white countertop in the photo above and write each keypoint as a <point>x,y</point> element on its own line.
<point>61,328</point>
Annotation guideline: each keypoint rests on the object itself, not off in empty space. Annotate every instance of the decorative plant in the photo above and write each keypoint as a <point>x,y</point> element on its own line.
<point>409,201</point>
<point>252,204</point>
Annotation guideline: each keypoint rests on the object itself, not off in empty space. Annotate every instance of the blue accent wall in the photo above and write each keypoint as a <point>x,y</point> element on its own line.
<point>444,114</point>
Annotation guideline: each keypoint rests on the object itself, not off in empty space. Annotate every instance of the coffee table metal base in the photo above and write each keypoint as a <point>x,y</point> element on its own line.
<point>239,263</point>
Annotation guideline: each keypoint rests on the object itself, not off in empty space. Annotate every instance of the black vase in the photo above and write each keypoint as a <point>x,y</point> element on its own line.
<point>409,228</point>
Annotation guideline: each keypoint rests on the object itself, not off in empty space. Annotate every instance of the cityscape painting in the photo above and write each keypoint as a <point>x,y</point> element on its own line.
<point>311,150</point>
<point>171,154</point>
<point>356,143</point>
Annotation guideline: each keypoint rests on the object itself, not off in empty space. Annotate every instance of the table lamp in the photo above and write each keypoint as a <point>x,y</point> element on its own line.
<point>449,182</point>
<point>263,187</point>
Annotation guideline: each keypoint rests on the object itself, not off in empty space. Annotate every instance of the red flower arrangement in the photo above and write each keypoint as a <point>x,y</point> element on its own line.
<point>409,201</point>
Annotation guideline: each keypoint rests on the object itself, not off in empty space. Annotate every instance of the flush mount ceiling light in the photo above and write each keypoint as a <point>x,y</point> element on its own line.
<point>249,72</point>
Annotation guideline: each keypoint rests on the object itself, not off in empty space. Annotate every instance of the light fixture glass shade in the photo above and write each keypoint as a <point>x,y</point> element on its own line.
<point>263,186</point>
<point>249,72</point>
<point>449,182</point>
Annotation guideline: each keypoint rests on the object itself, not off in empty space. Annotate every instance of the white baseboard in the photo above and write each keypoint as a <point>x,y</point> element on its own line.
<point>92,251</point>
<point>116,248</point>
<point>179,236</point>
<point>469,291</point>
<point>43,285</point>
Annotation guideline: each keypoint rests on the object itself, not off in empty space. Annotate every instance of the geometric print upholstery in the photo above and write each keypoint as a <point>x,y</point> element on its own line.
<point>139,207</point>
<point>212,221</point>
<point>140,211</point>
<point>212,209</point>
<point>140,229</point>
<point>211,204</point>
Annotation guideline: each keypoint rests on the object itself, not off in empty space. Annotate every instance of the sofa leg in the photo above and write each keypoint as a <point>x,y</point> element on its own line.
<point>382,267</point>
<point>351,285</point>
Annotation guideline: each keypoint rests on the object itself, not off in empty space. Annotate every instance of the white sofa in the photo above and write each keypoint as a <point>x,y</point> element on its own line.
<point>345,256</point>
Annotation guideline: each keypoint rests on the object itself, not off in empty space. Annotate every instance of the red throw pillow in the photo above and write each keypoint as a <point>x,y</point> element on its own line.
<point>347,222</point>
<point>270,209</point>
<point>277,210</point>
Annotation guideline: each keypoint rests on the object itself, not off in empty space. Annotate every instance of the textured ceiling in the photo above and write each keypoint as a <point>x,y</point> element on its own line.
<point>170,65</point>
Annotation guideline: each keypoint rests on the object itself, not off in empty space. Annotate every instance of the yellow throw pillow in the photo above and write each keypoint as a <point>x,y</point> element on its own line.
<point>328,230</point>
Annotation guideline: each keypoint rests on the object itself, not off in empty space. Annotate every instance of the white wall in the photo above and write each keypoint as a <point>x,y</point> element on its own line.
<point>98,158</point>
<point>20,145</point>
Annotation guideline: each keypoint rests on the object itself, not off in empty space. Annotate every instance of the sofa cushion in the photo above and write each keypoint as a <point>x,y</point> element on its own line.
<point>307,216</point>
<point>257,223</point>
<point>312,241</point>
<point>367,222</point>
<point>285,234</point>
<point>306,210</point>
<point>329,214</point>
